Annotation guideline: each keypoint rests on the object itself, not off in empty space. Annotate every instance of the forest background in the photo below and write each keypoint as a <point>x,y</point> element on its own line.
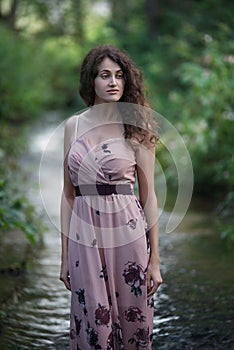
<point>186,52</point>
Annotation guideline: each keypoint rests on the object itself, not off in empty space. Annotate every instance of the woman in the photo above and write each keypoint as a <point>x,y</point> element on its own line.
<point>110,258</point>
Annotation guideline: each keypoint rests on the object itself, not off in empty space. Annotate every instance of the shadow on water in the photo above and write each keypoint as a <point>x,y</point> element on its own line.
<point>194,307</point>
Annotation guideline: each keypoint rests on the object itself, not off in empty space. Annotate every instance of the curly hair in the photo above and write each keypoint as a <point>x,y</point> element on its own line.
<point>145,127</point>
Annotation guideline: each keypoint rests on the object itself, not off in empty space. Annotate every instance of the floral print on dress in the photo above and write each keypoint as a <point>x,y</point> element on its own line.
<point>105,148</point>
<point>141,213</point>
<point>110,341</point>
<point>135,277</point>
<point>116,334</point>
<point>72,334</point>
<point>78,325</point>
<point>104,273</point>
<point>94,243</point>
<point>109,300</point>
<point>102,315</point>
<point>132,223</point>
<point>150,302</point>
<point>81,299</point>
<point>141,338</point>
<point>92,337</point>
<point>75,333</point>
<point>133,314</point>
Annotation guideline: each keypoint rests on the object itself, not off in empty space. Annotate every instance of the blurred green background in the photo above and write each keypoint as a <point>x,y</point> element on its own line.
<point>186,52</point>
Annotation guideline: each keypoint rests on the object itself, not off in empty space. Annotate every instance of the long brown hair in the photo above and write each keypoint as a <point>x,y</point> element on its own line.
<point>144,128</point>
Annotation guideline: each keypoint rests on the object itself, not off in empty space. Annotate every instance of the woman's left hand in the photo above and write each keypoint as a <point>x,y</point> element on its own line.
<point>153,278</point>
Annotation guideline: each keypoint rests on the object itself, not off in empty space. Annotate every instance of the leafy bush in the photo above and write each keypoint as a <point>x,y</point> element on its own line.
<point>16,212</point>
<point>202,103</point>
<point>63,57</point>
<point>23,84</point>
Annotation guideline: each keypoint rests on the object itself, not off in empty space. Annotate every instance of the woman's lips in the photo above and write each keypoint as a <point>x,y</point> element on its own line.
<point>113,91</point>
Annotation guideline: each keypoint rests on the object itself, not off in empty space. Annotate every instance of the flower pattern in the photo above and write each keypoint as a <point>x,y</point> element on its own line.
<point>132,223</point>
<point>76,332</point>
<point>133,314</point>
<point>150,302</point>
<point>81,299</point>
<point>110,342</point>
<point>102,315</point>
<point>117,334</point>
<point>135,277</point>
<point>78,325</point>
<point>104,273</point>
<point>72,334</point>
<point>92,337</point>
<point>94,243</point>
<point>105,148</point>
<point>141,338</point>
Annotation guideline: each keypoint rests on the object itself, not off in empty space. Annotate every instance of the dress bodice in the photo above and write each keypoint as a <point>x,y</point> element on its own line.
<point>110,161</point>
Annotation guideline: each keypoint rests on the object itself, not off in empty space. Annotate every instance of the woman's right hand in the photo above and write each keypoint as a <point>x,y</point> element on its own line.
<point>64,275</point>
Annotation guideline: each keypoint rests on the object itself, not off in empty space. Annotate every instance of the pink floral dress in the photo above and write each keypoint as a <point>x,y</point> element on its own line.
<point>108,250</point>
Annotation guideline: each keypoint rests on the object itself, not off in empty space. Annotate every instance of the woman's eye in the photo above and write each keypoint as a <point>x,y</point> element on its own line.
<point>104,76</point>
<point>119,76</point>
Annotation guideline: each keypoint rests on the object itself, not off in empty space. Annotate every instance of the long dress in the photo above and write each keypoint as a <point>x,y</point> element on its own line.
<point>108,249</point>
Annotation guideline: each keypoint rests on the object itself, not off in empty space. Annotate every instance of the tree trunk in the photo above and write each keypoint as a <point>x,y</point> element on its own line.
<point>153,16</point>
<point>121,11</point>
<point>9,18</point>
<point>78,14</point>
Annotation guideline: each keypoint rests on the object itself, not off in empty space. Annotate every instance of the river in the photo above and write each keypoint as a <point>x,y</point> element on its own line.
<point>194,307</point>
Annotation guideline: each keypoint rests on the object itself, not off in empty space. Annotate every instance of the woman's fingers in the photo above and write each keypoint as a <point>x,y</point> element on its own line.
<point>66,280</point>
<point>153,280</point>
<point>152,290</point>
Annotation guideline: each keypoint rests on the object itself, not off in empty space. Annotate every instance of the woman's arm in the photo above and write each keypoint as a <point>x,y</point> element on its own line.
<point>145,159</point>
<point>67,201</point>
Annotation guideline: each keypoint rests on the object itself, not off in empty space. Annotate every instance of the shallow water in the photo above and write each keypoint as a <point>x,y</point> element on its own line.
<point>197,295</point>
<point>194,308</point>
<point>40,319</point>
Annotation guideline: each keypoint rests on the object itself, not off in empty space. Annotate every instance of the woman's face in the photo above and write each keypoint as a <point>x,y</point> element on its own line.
<point>109,82</point>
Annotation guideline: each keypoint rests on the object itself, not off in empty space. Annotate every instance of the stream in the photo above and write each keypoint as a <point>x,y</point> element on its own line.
<point>194,307</point>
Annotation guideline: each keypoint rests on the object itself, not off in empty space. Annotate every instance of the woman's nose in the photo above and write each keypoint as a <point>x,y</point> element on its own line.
<point>112,81</point>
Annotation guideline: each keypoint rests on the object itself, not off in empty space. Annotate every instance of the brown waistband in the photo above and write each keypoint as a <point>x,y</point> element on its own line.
<point>103,190</point>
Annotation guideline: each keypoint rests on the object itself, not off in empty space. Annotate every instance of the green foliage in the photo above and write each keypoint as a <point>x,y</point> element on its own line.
<point>37,75</point>
<point>187,63</point>
<point>23,79</point>
<point>63,58</point>
<point>208,114</point>
<point>225,219</point>
<point>16,212</point>
<point>202,108</point>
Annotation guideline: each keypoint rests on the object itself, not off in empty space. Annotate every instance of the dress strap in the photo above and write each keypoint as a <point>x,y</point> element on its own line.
<point>76,127</point>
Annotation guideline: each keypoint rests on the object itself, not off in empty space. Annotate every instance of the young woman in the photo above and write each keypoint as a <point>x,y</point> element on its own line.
<point>110,258</point>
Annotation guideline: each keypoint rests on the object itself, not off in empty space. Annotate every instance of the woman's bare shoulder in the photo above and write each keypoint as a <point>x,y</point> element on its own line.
<point>71,122</point>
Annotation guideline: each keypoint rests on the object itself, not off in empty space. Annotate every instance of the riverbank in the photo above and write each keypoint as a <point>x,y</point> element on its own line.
<point>14,252</point>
